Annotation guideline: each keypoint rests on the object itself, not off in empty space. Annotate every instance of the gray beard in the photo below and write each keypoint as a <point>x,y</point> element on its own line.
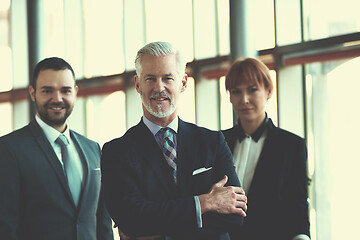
<point>159,113</point>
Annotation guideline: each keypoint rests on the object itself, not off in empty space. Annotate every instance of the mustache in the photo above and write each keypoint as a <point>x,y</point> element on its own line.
<point>160,94</point>
<point>56,105</point>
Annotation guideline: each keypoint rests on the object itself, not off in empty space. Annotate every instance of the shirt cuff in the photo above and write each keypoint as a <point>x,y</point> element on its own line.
<point>301,237</point>
<point>198,212</point>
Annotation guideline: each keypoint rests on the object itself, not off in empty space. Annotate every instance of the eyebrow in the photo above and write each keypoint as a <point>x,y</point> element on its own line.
<point>165,75</point>
<point>49,87</point>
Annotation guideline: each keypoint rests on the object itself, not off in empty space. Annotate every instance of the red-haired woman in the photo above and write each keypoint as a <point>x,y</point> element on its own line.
<point>270,162</point>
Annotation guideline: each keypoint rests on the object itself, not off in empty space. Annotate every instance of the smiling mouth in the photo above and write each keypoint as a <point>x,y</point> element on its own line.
<point>160,99</point>
<point>56,109</point>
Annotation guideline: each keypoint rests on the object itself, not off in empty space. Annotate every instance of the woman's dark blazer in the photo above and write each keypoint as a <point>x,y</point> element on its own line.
<point>277,197</point>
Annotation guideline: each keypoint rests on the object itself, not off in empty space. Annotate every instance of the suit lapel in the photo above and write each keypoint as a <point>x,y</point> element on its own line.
<point>50,156</point>
<point>231,137</point>
<point>263,166</point>
<point>154,158</point>
<point>185,155</point>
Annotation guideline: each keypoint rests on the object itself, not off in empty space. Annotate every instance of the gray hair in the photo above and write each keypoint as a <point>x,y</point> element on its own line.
<point>159,49</point>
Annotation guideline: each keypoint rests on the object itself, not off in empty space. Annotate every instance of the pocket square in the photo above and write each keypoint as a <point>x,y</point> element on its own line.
<point>200,170</point>
<point>96,169</point>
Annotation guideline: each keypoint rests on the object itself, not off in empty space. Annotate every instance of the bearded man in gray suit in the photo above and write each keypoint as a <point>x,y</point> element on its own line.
<point>49,190</point>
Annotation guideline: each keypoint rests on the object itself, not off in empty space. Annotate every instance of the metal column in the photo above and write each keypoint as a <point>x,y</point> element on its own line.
<point>34,13</point>
<point>241,31</point>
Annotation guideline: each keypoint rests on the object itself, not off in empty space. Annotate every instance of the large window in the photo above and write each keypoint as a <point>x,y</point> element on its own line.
<point>326,18</point>
<point>103,37</point>
<point>6,122</point>
<point>106,117</point>
<point>333,130</point>
<point>5,50</point>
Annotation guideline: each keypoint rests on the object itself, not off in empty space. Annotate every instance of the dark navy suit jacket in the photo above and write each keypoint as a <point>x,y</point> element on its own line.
<point>35,200</point>
<point>277,197</point>
<point>141,195</point>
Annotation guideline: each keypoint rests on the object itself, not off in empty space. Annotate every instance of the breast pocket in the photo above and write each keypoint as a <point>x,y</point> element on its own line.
<point>95,180</point>
<point>202,181</point>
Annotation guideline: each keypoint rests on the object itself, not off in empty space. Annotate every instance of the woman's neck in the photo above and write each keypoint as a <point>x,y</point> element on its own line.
<point>250,126</point>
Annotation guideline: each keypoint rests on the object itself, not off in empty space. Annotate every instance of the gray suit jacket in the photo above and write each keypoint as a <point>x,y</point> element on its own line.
<point>35,200</point>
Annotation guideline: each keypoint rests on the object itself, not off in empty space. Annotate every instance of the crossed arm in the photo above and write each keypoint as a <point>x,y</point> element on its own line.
<point>220,199</point>
<point>141,208</point>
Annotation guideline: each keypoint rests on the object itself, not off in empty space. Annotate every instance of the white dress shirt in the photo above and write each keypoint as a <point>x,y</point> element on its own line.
<point>246,156</point>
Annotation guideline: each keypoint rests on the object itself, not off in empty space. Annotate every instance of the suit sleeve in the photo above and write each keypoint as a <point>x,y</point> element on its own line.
<point>298,191</point>
<point>104,224</point>
<point>221,223</point>
<point>134,213</point>
<point>9,194</point>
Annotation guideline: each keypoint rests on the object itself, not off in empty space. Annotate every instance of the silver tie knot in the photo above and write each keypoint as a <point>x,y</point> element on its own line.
<point>62,140</point>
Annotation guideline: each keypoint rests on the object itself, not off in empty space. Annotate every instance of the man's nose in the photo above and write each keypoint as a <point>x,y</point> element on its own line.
<point>159,85</point>
<point>57,97</point>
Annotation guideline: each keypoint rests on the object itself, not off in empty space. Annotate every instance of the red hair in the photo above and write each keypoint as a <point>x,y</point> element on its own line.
<point>248,70</point>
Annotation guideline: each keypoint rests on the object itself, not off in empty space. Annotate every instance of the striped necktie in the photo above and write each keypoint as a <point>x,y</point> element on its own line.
<point>168,148</point>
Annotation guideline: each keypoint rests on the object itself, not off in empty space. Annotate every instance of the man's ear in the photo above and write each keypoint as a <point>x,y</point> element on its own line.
<point>76,89</point>
<point>32,93</point>
<point>137,83</point>
<point>184,82</point>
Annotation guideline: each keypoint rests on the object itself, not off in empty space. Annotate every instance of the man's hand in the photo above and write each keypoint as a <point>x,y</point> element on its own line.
<point>225,200</point>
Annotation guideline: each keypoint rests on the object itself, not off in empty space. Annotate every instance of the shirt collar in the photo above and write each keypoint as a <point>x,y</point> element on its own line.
<point>257,134</point>
<point>51,133</point>
<point>154,128</point>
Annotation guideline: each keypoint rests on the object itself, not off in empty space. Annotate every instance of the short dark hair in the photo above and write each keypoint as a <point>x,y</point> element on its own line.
<point>53,63</point>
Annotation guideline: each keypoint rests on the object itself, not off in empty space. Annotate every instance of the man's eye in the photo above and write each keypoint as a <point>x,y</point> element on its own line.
<point>67,91</point>
<point>234,91</point>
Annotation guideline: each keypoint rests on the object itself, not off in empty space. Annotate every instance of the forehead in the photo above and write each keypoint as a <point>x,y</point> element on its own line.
<point>55,78</point>
<point>158,65</point>
<point>246,84</point>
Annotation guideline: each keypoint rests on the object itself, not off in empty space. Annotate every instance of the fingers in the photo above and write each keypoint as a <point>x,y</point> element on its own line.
<point>242,203</point>
<point>225,200</point>
<point>238,190</point>
<point>241,200</point>
<point>239,211</point>
<point>241,196</point>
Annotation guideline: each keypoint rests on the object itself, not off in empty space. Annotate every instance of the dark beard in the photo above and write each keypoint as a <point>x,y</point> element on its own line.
<point>44,115</point>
